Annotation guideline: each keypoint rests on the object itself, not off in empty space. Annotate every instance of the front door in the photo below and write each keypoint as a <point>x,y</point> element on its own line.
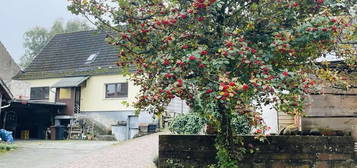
<point>70,96</point>
<point>77,100</point>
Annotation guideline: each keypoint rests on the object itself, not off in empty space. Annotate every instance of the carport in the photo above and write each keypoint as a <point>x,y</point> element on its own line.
<point>30,118</point>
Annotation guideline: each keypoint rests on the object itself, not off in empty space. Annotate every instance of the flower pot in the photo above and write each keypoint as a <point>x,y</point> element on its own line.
<point>211,129</point>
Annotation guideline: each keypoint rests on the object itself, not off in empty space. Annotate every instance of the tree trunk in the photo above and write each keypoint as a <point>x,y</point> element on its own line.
<point>226,129</point>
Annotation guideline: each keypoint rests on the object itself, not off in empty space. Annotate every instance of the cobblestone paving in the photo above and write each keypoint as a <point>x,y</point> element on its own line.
<point>135,153</point>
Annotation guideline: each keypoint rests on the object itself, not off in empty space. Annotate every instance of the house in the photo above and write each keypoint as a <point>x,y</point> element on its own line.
<point>78,69</point>
<point>8,67</point>
<point>17,115</point>
<point>5,96</point>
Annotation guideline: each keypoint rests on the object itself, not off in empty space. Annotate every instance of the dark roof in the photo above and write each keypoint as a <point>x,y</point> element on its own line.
<point>38,102</point>
<point>5,91</point>
<point>66,56</point>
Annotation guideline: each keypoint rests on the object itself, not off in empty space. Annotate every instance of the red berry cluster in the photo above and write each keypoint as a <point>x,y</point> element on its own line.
<point>202,4</point>
<point>281,44</point>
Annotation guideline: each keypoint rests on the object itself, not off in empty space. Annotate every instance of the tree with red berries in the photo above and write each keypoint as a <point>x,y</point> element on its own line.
<point>224,57</point>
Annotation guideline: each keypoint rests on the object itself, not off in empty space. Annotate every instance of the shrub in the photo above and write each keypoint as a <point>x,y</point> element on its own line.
<point>189,123</point>
<point>240,124</point>
<point>6,147</point>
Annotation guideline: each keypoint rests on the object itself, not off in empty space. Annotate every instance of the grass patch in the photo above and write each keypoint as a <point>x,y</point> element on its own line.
<point>4,147</point>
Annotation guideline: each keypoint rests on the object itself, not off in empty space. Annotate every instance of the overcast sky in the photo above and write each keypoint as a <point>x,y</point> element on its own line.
<point>19,16</point>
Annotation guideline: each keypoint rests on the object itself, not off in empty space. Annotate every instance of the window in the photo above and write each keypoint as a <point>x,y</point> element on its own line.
<point>91,58</point>
<point>39,93</point>
<point>116,90</point>
<point>64,93</point>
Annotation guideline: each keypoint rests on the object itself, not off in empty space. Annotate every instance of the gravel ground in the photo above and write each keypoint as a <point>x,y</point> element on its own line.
<point>135,153</point>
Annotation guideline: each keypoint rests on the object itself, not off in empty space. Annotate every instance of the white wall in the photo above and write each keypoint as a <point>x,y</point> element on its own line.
<point>270,117</point>
<point>178,106</point>
<point>20,89</point>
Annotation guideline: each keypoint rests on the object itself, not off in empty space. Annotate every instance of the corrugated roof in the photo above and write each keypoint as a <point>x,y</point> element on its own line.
<point>39,102</point>
<point>67,55</point>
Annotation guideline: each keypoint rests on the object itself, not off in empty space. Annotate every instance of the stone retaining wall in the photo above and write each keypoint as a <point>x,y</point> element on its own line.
<point>277,152</point>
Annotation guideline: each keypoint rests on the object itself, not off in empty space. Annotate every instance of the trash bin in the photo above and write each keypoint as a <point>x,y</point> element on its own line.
<point>151,128</point>
<point>60,132</point>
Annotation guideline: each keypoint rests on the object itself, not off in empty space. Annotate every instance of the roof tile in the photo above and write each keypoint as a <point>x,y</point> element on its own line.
<point>66,55</point>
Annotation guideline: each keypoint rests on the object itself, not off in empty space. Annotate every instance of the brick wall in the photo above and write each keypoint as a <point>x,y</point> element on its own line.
<point>277,152</point>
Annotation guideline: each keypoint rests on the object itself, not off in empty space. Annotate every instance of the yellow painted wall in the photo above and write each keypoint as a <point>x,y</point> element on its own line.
<point>93,94</point>
<point>45,83</point>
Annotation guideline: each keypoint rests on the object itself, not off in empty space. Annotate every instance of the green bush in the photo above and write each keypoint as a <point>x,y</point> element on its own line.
<point>240,124</point>
<point>193,123</point>
<point>189,123</point>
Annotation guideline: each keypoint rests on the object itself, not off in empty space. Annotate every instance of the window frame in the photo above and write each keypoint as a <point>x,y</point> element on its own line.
<point>116,93</point>
<point>42,93</point>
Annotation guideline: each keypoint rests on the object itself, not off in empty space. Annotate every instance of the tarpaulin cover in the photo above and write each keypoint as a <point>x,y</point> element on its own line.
<point>6,136</point>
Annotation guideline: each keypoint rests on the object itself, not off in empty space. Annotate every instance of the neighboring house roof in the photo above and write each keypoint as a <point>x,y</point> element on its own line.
<point>83,53</point>
<point>8,67</point>
<point>5,92</point>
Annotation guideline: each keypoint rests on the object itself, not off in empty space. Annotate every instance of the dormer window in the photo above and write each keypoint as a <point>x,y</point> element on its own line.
<point>91,58</point>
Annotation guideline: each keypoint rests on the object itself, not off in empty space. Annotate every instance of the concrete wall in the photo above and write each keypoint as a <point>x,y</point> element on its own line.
<point>277,152</point>
<point>8,67</point>
<point>109,118</point>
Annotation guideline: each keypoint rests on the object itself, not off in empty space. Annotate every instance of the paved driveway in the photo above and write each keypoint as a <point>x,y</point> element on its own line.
<point>46,154</point>
<point>135,153</point>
